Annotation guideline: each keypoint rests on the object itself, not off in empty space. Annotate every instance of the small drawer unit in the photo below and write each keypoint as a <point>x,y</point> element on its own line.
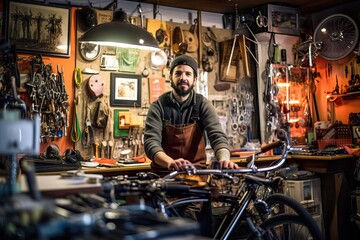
<point>308,193</point>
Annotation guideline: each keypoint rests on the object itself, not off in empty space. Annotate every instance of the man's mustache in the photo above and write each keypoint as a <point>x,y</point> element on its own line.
<point>183,82</point>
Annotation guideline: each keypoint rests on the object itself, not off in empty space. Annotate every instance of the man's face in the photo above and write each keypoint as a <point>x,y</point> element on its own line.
<point>183,79</point>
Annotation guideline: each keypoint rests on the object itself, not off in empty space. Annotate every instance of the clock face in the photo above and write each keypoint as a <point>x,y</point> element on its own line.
<point>89,51</point>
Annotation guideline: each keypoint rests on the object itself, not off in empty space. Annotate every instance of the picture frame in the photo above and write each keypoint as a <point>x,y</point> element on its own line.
<point>39,29</point>
<point>125,90</point>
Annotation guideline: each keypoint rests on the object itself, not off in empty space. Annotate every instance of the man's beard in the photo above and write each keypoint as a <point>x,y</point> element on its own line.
<point>180,91</point>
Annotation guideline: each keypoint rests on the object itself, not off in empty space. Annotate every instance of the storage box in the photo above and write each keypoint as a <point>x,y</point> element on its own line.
<point>307,192</point>
<point>280,19</point>
<point>323,143</point>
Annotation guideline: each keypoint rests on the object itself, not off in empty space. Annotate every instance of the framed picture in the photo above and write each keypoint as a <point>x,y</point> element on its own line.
<point>39,29</point>
<point>125,90</point>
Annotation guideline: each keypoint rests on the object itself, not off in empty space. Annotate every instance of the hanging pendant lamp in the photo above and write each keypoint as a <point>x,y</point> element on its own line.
<point>120,33</point>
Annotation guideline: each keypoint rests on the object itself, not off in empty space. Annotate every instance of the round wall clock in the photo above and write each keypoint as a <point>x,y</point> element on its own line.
<point>89,51</point>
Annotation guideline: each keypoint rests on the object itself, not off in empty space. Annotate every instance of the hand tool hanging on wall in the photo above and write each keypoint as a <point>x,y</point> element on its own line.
<point>87,138</point>
<point>49,98</point>
<point>313,90</point>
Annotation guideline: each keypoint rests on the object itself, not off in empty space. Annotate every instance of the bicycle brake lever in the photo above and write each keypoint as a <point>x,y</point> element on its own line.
<point>190,169</point>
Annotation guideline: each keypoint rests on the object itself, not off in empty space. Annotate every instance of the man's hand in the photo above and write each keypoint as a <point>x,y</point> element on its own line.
<point>227,164</point>
<point>179,164</point>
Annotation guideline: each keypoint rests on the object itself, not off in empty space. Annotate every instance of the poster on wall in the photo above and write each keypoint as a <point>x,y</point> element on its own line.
<point>39,29</point>
<point>156,88</point>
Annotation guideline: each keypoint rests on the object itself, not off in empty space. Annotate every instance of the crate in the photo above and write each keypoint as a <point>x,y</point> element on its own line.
<point>343,132</point>
<point>323,143</point>
<point>339,131</point>
<point>307,192</point>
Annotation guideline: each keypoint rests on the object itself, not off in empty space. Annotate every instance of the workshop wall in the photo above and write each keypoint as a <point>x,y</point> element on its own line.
<point>326,85</point>
<point>238,87</point>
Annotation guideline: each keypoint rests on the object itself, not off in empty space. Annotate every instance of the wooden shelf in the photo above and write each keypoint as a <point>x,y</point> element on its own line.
<point>344,96</point>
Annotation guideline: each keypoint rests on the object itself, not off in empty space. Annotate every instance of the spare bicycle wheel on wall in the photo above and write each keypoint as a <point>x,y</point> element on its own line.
<point>338,34</point>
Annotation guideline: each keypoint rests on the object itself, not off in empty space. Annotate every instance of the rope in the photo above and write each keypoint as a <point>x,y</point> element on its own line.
<point>77,77</point>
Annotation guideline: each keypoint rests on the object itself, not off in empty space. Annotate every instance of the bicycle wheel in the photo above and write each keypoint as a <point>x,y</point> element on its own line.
<point>339,36</point>
<point>280,203</point>
<point>286,227</point>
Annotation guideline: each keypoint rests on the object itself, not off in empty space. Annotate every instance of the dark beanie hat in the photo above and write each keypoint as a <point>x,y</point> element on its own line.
<point>184,60</point>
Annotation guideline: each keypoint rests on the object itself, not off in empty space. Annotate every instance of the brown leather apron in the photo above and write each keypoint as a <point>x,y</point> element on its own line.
<point>183,141</point>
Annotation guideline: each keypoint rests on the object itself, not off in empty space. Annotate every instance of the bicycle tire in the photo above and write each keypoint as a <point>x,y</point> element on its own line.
<point>286,227</point>
<point>339,34</point>
<point>281,203</point>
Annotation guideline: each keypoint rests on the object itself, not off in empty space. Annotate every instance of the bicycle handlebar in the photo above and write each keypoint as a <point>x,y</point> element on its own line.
<point>270,146</point>
<point>251,167</point>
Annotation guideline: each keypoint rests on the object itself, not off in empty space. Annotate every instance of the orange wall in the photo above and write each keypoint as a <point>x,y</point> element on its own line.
<point>327,84</point>
<point>69,65</point>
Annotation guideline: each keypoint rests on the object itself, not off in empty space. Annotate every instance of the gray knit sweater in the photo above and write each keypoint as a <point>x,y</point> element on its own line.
<point>181,114</point>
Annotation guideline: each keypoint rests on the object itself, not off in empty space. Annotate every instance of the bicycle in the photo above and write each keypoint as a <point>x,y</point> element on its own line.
<point>274,217</point>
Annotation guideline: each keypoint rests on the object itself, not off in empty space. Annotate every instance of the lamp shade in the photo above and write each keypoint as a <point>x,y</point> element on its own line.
<point>120,33</point>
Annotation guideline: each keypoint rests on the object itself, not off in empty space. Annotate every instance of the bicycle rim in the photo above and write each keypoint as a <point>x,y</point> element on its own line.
<point>339,34</point>
<point>280,203</point>
<point>285,227</point>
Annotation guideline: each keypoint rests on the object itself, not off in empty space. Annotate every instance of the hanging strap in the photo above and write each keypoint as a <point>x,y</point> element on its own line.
<point>75,128</point>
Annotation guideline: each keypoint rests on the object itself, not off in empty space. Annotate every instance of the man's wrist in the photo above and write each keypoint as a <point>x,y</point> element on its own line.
<point>163,159</point>
<point>222,154</point>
